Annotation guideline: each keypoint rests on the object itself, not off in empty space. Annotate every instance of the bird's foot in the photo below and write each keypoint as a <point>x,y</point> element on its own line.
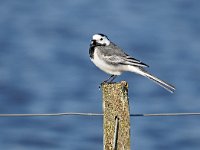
<point>108,81</point>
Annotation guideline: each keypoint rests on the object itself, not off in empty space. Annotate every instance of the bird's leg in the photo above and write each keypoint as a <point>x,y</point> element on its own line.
<point>105,81</point>
<point>111,78</point>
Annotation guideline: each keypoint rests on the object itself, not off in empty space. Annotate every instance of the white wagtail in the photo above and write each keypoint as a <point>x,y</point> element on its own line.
<point>111,59</point>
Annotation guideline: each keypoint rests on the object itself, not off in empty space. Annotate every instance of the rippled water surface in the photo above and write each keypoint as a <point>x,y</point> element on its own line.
<point>45,68</point>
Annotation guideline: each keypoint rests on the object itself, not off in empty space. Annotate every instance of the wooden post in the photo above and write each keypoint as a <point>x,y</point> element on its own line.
<point>116,116</point>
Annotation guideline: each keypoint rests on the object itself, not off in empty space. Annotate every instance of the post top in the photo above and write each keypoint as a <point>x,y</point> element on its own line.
<point>123,83</point>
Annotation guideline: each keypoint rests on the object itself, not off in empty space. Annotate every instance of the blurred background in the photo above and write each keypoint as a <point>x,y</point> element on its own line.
<point>45,68</point>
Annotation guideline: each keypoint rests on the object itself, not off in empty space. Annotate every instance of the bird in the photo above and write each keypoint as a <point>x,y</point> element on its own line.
<point>111,59</point>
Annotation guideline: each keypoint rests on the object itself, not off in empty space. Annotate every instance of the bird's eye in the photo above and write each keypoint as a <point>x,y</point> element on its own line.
<point>101,39</point>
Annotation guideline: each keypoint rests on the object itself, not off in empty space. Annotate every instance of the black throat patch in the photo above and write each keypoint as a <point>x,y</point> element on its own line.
<point>91,52</point>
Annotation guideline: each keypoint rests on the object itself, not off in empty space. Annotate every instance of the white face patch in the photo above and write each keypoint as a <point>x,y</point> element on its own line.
<point>101,39</point>
<point>96,37</point>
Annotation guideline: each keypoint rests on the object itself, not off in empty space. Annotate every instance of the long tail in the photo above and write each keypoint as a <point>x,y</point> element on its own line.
<point>160,82</point>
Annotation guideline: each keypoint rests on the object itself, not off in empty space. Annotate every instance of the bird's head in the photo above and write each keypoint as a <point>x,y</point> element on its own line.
<point>99,40</point>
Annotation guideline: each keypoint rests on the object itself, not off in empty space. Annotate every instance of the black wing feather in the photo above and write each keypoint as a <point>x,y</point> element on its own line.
<point>135,62</point>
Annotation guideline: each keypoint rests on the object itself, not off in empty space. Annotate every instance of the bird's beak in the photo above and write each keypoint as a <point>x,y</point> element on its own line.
<point>95,43</point>
<point>92,43</point>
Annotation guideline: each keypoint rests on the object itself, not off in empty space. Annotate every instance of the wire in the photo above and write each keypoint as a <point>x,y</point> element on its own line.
<point>165,114</point>
<point>99,114</point>
<point>51,114</point>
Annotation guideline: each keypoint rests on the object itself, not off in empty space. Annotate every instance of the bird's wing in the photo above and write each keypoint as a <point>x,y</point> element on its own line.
<point>115,59</point>
<point>114,54</point>
<point>129,60</point>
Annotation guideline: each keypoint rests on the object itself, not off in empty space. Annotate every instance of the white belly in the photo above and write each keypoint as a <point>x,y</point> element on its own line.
<point>101,64</point>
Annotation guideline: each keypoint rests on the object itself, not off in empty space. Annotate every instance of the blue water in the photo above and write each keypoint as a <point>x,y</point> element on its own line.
<point>45,68</point>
